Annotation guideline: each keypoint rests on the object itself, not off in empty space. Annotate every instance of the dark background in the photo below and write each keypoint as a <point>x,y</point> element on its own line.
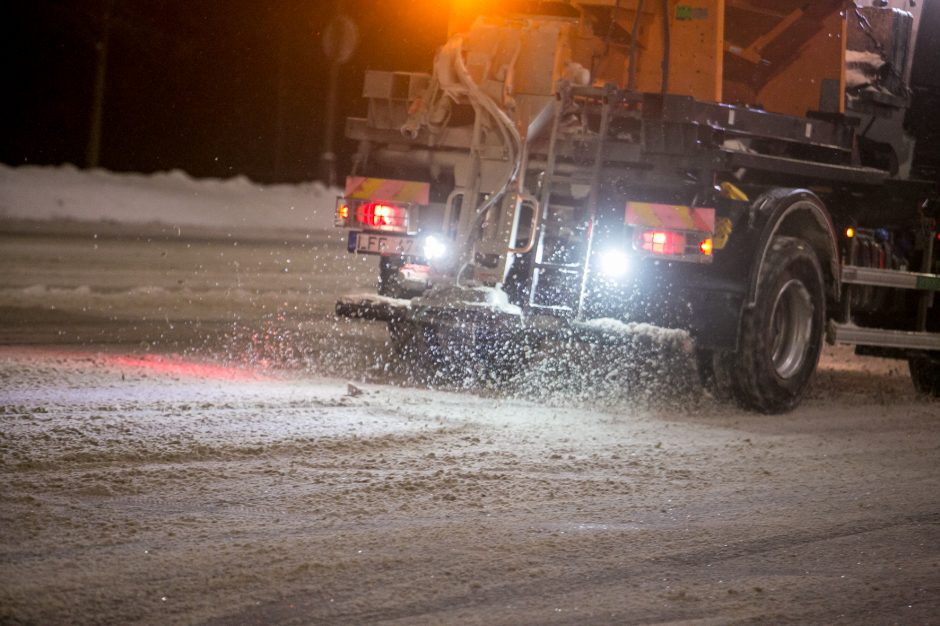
<point>215,88</point>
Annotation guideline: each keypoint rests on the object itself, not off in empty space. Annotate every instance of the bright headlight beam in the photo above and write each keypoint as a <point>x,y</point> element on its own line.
<point>613,263</point>
<point>434,248</point>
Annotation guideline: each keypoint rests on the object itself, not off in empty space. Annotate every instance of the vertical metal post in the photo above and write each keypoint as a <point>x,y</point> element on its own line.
<point>592,198</point>
<point>280,130</point>
<point>328,157</point>
<point>926,297</point>
<point>848,289</point>
<point>546,190</point>
<point>339,40</point>
<point>544,198</point>
<point>93,151</point>
<point>465,238</point>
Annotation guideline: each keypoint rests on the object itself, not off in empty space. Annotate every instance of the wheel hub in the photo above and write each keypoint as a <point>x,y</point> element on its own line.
<point>791,327</point>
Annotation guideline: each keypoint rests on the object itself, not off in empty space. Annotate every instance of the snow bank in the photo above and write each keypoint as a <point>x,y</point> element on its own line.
<point>172,198</point>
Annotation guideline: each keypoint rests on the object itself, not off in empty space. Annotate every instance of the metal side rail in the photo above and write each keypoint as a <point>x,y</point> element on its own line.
<point>881,338</point>
<point>897,279</point>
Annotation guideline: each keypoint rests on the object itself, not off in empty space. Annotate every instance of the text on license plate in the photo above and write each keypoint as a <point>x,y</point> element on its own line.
<point>370,243</point>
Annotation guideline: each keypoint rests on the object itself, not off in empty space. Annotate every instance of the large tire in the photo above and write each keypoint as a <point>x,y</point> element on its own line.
<point>925,374</point>
<point>715,371</point>
<point>781,336</point>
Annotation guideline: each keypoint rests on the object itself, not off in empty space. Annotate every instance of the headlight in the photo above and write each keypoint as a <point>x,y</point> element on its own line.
<point>434,248</point>
<point>613,263</point>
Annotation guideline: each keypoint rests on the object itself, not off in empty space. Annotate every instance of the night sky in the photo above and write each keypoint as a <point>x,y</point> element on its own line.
<point>215,88</point>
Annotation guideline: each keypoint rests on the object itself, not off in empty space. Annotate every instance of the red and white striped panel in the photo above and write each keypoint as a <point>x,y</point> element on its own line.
<point>387,190</point>
<point>670,217</point>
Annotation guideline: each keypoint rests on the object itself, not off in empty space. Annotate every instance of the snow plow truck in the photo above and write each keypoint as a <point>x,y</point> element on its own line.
<point>764,174</point>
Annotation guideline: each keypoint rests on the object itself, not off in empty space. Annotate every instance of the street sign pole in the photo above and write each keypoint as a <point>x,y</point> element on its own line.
<point>339,43</point>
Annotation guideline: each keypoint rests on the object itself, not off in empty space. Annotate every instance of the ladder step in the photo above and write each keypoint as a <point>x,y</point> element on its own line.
<point>882,338</point>
<point>855,275</point>
<point>558,266</point>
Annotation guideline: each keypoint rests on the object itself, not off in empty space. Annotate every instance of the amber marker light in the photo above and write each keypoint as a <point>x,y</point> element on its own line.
<point>705,247</point>
<point>850,232</point>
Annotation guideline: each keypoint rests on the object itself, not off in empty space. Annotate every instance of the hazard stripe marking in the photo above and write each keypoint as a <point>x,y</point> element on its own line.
<point>670,216</point>
<point>384,189</point>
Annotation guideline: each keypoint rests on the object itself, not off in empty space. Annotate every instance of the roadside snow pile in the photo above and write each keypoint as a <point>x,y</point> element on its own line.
<point>172,198</point>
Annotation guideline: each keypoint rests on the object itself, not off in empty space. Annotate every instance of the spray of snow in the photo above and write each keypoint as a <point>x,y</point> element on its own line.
<point>610,326</point>
<point>374,299</point>
<point>495,299</point>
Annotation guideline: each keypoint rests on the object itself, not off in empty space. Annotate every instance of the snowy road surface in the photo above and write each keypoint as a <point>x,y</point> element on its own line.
<point>180,443</point>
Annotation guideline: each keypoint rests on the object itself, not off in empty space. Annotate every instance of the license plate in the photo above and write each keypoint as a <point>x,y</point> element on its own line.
<point>371,243</point>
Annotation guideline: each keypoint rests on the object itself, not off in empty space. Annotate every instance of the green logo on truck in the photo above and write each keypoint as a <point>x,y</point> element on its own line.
<point>686,13</point>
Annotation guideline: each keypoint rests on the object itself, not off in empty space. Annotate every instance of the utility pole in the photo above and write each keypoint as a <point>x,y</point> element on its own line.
<point>281,107</point>
<point>339,42</point>
<point>93,151</point>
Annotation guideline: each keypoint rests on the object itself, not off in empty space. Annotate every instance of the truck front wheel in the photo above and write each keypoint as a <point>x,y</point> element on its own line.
<point>782,334</point>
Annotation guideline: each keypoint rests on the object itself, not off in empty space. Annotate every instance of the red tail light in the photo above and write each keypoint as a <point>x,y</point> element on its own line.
<point>662,242</point>
<point>381,214</point>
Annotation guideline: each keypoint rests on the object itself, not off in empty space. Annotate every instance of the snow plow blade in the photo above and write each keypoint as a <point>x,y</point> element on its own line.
<point>367,306</point>
<point>456,306</point>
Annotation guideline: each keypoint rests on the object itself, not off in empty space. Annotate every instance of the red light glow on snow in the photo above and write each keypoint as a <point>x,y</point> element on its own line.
<point>171,366</point>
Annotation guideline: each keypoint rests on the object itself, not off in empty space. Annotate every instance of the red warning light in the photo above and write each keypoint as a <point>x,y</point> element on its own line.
<point>663,242</point>
<point>380,214</point>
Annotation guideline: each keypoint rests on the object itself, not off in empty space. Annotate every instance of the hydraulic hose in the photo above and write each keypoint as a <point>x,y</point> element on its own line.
<point>507,129</point>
